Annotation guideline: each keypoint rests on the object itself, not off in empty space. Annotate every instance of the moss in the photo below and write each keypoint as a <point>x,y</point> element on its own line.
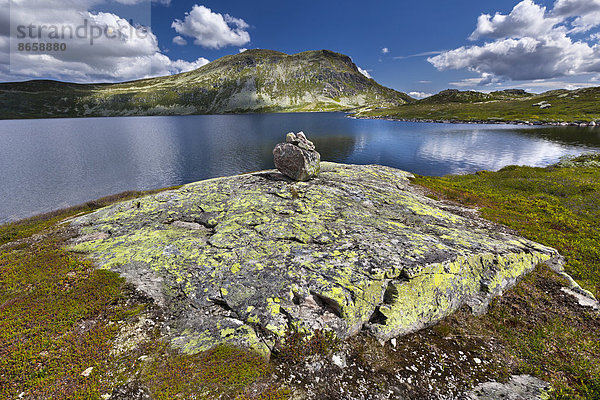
<point>30,226</point>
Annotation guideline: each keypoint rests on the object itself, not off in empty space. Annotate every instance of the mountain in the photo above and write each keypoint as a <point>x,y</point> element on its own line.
<point>580,106</point>
<point>252,81</point>
<point>457,96</point>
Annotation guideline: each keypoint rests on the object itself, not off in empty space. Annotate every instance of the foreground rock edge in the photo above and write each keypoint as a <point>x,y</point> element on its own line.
<point>243,259</point>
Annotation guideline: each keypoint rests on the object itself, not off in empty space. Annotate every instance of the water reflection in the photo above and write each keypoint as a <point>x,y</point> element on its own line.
<point>49,164</point>
<point>568,135</point>
<point>461,152</point>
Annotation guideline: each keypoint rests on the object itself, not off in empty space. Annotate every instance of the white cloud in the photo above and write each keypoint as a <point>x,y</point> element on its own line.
<point>419,95</point>
<point>385,50</point>
<point>484,80</point>
<point>586,13</point>
<point>536,86</point>
<point>529,43</point>
<point>364,72</point>
<point>526,19</point>
<point>243,49</point>
<point>423,54</point>
<point>179,40</point>
<point>544,85</point>
<point>212,30</point>
<point>424,82</point>
<point>112,50</point>
<point>178,66</point>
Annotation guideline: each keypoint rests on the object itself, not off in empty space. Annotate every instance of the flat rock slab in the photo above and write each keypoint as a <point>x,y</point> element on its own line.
<point>519,387</point>
<point>243,259</point>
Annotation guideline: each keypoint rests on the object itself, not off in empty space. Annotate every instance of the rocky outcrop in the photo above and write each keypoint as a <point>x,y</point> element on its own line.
<point>519,387</point>
<point>297,157</point>
<point>244,259</point>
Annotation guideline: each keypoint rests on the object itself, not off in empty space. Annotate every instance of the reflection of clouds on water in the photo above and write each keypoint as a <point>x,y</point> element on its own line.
<point>466,152</point>
<point>361,142</point>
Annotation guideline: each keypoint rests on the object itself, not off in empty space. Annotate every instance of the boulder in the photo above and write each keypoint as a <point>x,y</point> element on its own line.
<point>297,158</point>
<point>243,259</point>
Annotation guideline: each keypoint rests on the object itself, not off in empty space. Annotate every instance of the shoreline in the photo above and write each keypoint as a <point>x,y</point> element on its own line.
<point>581,124</point>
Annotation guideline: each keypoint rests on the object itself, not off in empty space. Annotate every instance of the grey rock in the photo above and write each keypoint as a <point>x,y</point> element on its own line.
<point>297,158</point>
<point>356,249</point>
<point>519,387</point>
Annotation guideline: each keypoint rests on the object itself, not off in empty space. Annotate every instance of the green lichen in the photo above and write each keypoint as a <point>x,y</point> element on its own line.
<point>243,259</point>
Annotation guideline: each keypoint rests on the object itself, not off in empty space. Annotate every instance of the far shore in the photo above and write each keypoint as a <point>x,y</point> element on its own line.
<point>579,124</point>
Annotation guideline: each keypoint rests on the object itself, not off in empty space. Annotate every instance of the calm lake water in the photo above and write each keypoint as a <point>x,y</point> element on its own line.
<point>51,164</point>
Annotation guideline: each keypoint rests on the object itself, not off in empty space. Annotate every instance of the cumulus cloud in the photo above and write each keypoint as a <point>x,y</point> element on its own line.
<point>419,95</point>
<point>385,50</point>
<point>179,40</point>
<point>109,49</point>
<point>212,30</point>
<point>586,13</point>
<point>527,19</point>
<point>243,49</point>
<point>364,72</point>
<point>531,42</point>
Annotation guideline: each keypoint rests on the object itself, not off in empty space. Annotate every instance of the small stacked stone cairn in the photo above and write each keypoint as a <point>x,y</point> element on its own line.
<point>297,158</point>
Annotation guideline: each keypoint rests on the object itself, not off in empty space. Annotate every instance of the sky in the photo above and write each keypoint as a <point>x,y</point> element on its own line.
<point>415,46</point>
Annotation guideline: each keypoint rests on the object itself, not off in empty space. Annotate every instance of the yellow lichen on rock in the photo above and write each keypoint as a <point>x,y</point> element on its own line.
<point>241,260</point>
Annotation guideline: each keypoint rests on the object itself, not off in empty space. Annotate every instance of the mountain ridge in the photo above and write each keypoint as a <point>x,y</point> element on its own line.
<point>253,81</point>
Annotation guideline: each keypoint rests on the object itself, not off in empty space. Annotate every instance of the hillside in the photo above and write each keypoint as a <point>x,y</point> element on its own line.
<point>513,105</point>
<point>253,81</point>
<point>470,96</point>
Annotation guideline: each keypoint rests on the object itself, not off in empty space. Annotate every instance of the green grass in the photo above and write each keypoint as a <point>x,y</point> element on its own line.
<point>559,207</point>
<point>543,333</point>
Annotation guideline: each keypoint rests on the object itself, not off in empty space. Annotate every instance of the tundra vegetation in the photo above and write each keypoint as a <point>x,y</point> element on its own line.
<point>554,107</point>
<point>70,330</point>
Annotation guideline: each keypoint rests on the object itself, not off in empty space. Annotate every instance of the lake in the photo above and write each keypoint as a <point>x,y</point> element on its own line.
<point>56,163</point>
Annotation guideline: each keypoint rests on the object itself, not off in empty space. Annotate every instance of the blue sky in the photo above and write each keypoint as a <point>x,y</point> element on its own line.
<point>415,46</point>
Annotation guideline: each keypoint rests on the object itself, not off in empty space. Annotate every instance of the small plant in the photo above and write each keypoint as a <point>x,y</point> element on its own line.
<point>297,346</point>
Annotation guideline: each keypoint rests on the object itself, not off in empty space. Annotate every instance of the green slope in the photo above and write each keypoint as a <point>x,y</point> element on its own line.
<point>581,106</point>
<point>253,81</point>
